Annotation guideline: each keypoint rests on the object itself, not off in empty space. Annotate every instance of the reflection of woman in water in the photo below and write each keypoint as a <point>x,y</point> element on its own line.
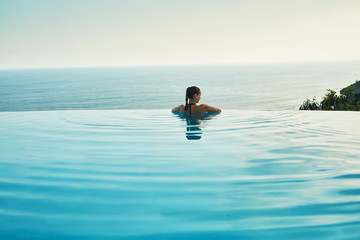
<point>193,95</point>
<point>193,130</point>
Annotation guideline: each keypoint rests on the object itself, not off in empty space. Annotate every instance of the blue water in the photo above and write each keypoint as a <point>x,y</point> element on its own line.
<point>135,174</point>
<point>245,87</point>
<point>95,153</point>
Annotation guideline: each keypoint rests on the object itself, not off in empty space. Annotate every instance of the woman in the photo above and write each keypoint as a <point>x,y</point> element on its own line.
<point>193,95</point>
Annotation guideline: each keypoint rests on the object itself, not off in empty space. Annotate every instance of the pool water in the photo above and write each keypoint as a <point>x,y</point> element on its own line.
<point>151,174</point>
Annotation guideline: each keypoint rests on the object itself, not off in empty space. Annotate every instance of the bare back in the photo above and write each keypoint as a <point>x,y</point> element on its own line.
<point>196,109</point>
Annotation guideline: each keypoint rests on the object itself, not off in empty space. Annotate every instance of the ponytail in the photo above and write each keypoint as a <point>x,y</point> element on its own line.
<point>190,92</point>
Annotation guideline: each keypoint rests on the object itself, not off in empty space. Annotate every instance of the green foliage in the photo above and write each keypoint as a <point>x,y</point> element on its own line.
<point>346,101</point>
<point>329,101</point>
<point>310,105</point>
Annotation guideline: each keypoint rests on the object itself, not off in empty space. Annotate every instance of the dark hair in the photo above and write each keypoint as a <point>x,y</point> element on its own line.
<point>190,92</point>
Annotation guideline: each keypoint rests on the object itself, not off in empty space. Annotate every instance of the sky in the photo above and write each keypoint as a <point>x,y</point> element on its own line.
<point>78,33</point>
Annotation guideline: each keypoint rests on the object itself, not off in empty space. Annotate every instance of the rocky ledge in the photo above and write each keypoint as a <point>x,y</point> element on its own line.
<point>348,100</point>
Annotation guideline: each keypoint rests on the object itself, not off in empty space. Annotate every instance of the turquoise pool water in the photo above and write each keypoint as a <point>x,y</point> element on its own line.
<point>136,174</point>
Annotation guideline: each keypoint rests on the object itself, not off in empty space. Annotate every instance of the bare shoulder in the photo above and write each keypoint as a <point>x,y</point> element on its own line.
<point>178,108</point>
<point>209,108</point>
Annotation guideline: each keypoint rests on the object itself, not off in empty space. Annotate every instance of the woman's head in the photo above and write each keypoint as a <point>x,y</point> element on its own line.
<point>192,94</point>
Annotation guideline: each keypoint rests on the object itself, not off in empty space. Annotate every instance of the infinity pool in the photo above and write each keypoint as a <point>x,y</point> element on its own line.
<point>139,174</point>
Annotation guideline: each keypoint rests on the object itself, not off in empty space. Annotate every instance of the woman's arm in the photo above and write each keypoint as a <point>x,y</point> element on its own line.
<point>208,108</point>
<point>176,109</point>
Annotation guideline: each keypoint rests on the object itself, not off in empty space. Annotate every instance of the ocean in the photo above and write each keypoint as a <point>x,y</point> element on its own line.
<point>243,87</point>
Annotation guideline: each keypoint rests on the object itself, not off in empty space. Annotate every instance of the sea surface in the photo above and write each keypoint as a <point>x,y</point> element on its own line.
<point>97,154</point>
<point>245,87</point>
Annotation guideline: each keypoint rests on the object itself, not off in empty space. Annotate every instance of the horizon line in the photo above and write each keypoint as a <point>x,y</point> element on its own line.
<point>182,64</point>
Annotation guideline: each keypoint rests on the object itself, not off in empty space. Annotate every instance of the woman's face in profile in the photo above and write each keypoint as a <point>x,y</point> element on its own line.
<point>197,97</point>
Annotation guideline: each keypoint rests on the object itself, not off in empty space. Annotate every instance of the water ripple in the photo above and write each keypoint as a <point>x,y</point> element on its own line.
<point>135,175</point>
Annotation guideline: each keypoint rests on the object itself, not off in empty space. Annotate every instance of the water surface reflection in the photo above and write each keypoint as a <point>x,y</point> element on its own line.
<point>194,123</point>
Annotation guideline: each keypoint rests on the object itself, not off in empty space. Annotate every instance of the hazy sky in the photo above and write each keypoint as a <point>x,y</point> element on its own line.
<point>38,33</point>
